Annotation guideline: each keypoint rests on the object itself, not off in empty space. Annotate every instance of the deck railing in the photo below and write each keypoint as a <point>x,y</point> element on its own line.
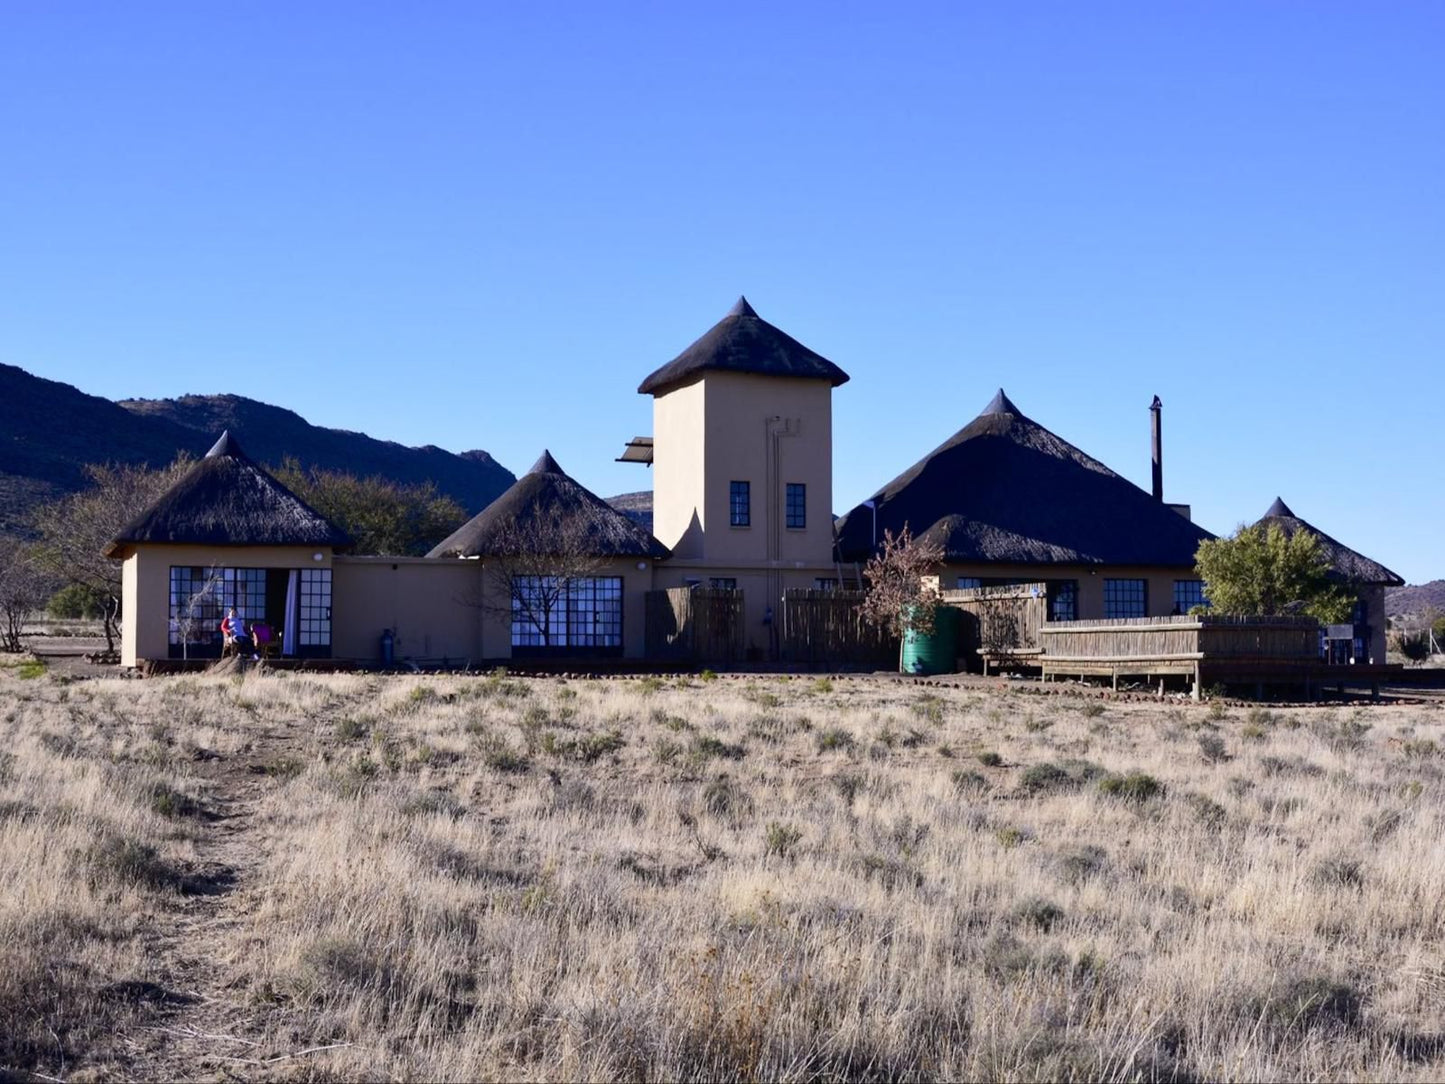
<point>1202,636</point>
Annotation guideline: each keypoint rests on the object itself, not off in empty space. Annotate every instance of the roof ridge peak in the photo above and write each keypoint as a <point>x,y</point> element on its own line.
<point>1001,404</point>
<point>227,446</point>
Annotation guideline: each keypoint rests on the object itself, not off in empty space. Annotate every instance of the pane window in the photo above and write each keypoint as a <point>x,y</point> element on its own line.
<point>723,583</point>
<point>582,612</point>
<point>1188,594</point>
<point>797,506</point>
<point>968,583</point>
<point>1063,600</point>
<point>200,597</point>
<point>1125,598</point>
<point>740,504</point>
<point>833,583</point>
<point>314,611</point>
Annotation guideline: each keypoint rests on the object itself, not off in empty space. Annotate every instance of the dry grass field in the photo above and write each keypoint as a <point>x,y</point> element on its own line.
<point>303,877</point>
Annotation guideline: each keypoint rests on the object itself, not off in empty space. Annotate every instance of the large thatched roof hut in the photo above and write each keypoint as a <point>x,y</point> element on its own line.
<point>546,508</point>
<point>1004,489</point>
<point>743,342</point>
<point>227,499</point>
<point>1344,562</point>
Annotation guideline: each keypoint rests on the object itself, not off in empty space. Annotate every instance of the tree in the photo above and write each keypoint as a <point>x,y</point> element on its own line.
<point>895,597</point>
<point>22,591</point>
<point>381,516</point>
<point>199,609</point>
<point>531,569</point>
<point>1415,646</point>
<point>1262,570</point>
<point>74,602</point>
<point>75,530</point>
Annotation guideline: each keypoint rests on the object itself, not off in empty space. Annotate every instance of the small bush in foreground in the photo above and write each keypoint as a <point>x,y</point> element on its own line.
<point>1133,787</point>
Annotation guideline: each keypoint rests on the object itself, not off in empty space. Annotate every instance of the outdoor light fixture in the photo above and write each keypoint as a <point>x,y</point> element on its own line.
<point>641,566</point>
<point>318,556</point>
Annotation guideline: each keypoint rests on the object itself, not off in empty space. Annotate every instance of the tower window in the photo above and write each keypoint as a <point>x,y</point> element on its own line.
<point>797,508</point>
<point>740,504</point>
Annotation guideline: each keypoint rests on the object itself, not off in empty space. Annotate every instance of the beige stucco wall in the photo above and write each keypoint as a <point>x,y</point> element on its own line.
<point>450,608</point>
<point>146,586</point>
<point>429,605</point>
<point>1159,589</point>
<point>765,430</point>
<point>677,469</point>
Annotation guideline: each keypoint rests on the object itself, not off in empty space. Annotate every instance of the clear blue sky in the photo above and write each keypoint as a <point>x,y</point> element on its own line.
<point>480,225</point>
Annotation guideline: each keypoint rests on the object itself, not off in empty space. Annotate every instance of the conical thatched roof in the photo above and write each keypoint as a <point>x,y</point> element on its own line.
<point>1344,562</point>
<point>228,500</point>
<point>743,342</point>
<point>546,508</point>
<point>1005,489</point>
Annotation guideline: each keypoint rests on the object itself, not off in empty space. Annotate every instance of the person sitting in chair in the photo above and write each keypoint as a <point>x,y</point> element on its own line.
<point>233,628</point>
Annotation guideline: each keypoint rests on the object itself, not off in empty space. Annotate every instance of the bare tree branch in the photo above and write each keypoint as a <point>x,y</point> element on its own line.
<point>75,530</point>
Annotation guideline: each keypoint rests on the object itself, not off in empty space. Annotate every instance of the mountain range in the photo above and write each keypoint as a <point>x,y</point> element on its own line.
<point>49,431</point>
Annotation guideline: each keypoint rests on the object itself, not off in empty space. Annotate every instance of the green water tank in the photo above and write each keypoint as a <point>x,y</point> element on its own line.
<point>935,652</point>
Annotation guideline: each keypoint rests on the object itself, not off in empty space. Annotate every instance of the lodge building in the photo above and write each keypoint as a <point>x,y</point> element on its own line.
<point>741,463</point>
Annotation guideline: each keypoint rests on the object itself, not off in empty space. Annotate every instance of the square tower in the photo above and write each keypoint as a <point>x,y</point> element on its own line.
<point>743,448</point>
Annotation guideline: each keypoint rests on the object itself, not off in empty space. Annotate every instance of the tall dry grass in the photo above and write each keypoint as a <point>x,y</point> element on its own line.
<point>845,879</point>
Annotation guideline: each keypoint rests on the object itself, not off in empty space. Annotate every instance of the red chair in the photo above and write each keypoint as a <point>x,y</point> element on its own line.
<point>264,637</point>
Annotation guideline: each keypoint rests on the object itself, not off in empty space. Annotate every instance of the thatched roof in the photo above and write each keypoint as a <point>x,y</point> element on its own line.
<point>227,499</point>
<point>546,504</point>
<point>1344,562</point>
<point>1005,489</point>
<point>743,342</point>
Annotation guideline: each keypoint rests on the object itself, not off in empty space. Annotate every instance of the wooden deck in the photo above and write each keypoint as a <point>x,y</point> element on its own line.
<point>1208,649</point>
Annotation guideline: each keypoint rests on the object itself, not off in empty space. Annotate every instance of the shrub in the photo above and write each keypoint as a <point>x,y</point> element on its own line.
<point>1136,787</point>
<point>929,708</point>
<point>1207,810</point>
<point>350,729</point>
<point>1039,913</point>
<point>848,786</point>
<point>1039,778</point>
<point>1339,872</point>
<point>77,601</point>
<point>1010,837</point>
<point>834,738</point>
<point>129,861</point>
<point>891,873</point>
<point>707,675</point>
<point>707,747</point>
<point>504,758</point>
<point>990,759</point>
<point>968,782</point>
<point>782,838</point>
<point>1308,1002</point>
<point>1080,863</point>
<point>172,803</point>
<point>724,798</point>
<point>650,685</point>
<point>823,685</point>
<point>1092,710</point>
<point>1212,749</point>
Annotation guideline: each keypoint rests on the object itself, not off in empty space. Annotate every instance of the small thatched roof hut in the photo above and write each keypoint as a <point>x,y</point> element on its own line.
<point>743,342</point>
<point>1344,562</point>
<point>545,506</point>
<point>1004,489</point>
<point>227,499</point>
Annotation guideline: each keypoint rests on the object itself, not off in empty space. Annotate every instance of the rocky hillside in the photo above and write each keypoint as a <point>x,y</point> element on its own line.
<point>1415,599</point>
<point>49,431</point>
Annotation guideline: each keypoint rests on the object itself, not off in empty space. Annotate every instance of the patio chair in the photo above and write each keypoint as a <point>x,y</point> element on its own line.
<point>264,637</point>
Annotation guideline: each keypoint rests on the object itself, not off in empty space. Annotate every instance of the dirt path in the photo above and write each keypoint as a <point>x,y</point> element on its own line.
<point>203,1022</point>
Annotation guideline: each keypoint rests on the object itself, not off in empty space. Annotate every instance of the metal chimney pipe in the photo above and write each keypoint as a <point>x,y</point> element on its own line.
<point>1156,410</point>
